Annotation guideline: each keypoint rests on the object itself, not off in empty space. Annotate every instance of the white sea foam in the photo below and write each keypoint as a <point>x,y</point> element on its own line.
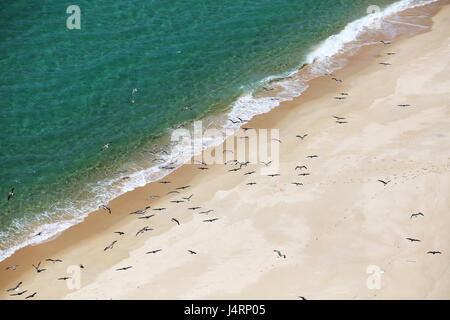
<point>323,60</point>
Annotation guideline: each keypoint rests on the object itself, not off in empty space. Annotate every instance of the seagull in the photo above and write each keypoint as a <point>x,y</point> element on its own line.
<point>173,192</point>
<point>343,94</point>
<point>301,297</point>
<point>251,183</point>
<point>403,105</point>
<point>188,198</point>
<point>175,220</point>
<point>385,63</point>
<point>274,175</point>
<point>106,208</point>
<point>182,188</point>
<point>417,214</point>
<point>297,183</point>
<point>390,53</point>
<point>31,296</point>
<point>11,194</point>
<point>384,182</point>
<point>278,140</point>
<point>337,80</point>
<point>280,255</point>
<point>234,122</point>
<point>143,230</point>
<point>37,268</point>
<point>211,220</point>
<point>339,98</point>
<point>266,163</point>
<point>434,252</point>
<point>194,208</point>
<point>242,120</point>
<point>412,240</point>
<point>301,137</point>
<point>176,201</point>
<point>313,156</point>
<point>243,164</point>
<point>236,169</point>
<point>120,233</point>
<point>385,42</point>
<point>65,278</point>
<point>249,173</point>
<point>81,266</point>
<point>231,161</point>
<point>202,168</point>
<point>154,251</point>
<point>341,122</point>
<point>206,212</point>
<point>110,246</point>
<point>106,146</point>
<point>147,217</point>
<point>124,268</point>
<point>53,260</point>
<point>301,167</point>
<point>37,234</point>
<point>164,182</point>
<point>19,293</point>
<point>338,118</point>
<point>192,252</point>
<point>15,288</point>
<point>12,267</point>
<point>159,209</point>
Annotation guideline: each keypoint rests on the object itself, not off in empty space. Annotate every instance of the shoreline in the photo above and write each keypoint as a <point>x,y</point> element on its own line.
<point>118,185</point>
<point>94,230</point>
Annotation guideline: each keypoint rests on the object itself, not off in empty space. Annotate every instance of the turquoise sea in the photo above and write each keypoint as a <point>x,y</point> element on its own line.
<point>66,93</point>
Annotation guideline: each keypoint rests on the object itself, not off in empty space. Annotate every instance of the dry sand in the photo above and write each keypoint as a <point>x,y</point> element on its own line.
<point>340,222</point>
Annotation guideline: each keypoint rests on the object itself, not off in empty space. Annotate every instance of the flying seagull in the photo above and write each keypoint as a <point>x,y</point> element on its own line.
<point>12,267</point>
<point>194,208</point>
<point>434,252</point>
<point>11,194</point>
<point>313,156</point>
<point>15,288</point>
<point>188,198</point>
<point>31,296</point>
<point>413,240</point>
<point>192,252</point>
<point>280,255</point>
<point>106,146</point>
<point>266,163</point>
<point>143,230</point>
<point>182,188</point>
<point>297,183</point>
<point>153,251</point>
<point>124,268</point>
<point>65,278</point>
<point>18,294</point>
<point>106,208</point>
<point>53,260</point>
<point>384,182</point>
<point>301,137</point>
<point>37,268</point>
<point>211,220</point>
<point>301,167</point>
<point>110,246</point>
<point>251,183</point>
<point>175,220</point>
<point>274,175</point>
<point>417,214</point>
<point>120,233</point>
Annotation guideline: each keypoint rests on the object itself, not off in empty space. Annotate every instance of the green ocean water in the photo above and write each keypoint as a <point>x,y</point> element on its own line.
<point>65,93</point>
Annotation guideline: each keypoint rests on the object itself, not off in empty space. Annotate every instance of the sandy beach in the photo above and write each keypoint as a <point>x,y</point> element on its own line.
<point>342,231</point>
